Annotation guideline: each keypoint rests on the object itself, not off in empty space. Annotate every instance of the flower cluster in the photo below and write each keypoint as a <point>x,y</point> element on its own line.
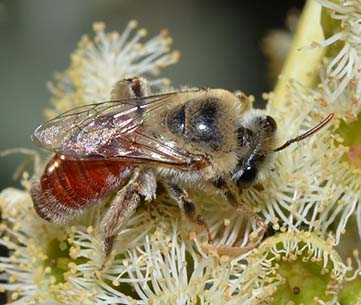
<point>342,73</point>
<point>153,263</point>
<point>309,197</point>
<point>97,64</point>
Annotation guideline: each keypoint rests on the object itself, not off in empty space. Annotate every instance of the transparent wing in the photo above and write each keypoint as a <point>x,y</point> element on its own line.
<point>113,130</point>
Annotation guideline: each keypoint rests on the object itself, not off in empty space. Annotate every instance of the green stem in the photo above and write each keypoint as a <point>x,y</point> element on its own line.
<point>302,64</point>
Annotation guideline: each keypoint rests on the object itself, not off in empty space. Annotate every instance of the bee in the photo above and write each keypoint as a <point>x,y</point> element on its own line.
<point>126,146</point>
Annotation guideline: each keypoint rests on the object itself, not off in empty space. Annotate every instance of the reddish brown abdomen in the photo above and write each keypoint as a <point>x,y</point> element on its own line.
<point>67,187</point>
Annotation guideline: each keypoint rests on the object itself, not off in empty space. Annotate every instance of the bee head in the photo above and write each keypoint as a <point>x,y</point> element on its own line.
<point>255,142</point>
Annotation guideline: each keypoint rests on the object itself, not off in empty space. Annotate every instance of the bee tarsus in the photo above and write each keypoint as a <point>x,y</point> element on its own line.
<point>187,207</point>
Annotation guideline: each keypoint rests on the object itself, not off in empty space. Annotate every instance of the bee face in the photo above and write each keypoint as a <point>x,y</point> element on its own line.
<point>256,136</point>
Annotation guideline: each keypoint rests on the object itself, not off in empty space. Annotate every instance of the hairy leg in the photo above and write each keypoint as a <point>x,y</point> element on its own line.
<point>225,190</point>
<point>187,207</point>
<point>122,207</point>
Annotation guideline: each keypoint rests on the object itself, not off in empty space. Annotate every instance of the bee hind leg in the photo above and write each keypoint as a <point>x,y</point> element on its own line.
<point>122,207</point>
<point>187,207</point>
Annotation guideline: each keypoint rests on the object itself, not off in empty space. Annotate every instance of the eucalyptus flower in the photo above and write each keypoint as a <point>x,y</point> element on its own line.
<point>342,30</point>
<point>298,267</point>
<point>151,264</point>
<point>98,63</point>
<point>316,182</point>
<point>28,280</point>
<point>351,292</point>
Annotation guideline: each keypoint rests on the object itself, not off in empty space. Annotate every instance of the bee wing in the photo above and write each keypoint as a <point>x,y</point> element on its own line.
<point>113,130</point>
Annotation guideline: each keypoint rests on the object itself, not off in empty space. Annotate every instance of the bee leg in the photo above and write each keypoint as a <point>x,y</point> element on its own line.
<point>122,207</point>
<point>225,190</point>
<point>130,88</point>
<point>108,246</point>
<point>187,207</point>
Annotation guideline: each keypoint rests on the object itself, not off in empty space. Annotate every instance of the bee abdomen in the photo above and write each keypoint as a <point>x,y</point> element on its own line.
<point>66,187</point>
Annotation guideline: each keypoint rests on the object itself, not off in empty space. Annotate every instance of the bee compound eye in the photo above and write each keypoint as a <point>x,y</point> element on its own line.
<point>248,176</point>
<point>271,123</point>
<point>176,121</point>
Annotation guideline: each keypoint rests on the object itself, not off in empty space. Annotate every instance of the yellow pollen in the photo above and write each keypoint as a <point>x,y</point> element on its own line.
<point>133,24</point>
<point>164,32</point>
<point>12,278</point>
<point>276,227</point>
<point>225,258</point>
<point>166,82</point>
<point>142,32</point>
<point>114,35</point>
<point>175,56</point>
<point>14,296</point>
<point>168,41</point>
<point>90,230</point>
<point>98,26</point>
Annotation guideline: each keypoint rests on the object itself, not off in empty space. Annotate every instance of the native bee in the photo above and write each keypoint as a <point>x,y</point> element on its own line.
<point>136,140</point>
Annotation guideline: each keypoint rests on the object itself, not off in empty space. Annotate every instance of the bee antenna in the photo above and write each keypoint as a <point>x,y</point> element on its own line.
<point>308,133</point>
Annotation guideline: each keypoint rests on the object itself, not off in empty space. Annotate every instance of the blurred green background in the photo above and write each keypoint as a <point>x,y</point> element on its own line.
<point>219,43</point>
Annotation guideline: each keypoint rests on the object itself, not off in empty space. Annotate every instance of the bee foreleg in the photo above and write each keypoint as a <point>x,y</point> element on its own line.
<point>187,207</point>
<point>225,190</point>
